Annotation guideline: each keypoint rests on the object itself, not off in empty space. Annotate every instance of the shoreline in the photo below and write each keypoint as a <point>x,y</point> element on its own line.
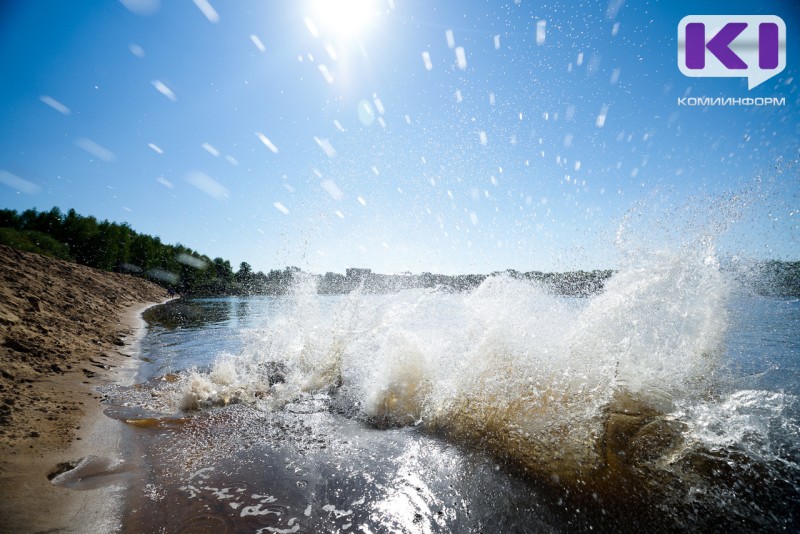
<point>65,330</point>
<point>38,504</point>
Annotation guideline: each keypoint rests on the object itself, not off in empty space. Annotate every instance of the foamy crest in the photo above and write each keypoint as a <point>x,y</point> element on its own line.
<point>660,324</point>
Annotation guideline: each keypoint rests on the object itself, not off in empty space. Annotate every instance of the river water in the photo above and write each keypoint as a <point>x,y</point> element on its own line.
<point>667,402</point>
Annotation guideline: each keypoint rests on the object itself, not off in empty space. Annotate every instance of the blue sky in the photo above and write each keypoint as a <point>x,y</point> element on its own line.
<point>290,133</point>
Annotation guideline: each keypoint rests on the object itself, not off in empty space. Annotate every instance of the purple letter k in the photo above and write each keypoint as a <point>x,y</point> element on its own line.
<point>719,45</point>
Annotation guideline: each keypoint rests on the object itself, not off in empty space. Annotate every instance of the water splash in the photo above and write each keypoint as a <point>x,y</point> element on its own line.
<point>530,375</point>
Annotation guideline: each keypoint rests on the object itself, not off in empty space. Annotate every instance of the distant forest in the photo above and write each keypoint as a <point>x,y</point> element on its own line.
<point>117,247</point>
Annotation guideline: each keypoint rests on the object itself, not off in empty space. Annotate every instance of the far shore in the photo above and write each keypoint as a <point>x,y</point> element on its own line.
<point>64,330</point>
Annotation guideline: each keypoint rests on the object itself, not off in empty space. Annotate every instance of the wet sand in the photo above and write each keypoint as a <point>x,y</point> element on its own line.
<point>64,329</point>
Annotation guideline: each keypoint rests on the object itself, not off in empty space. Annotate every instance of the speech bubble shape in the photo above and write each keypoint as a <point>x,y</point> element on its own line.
<point>732,46</point>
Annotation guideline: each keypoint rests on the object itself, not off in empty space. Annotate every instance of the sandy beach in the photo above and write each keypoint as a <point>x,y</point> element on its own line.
<point>64,329</point>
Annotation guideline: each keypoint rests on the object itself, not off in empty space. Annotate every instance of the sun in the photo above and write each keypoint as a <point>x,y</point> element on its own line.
<point>344,19</point>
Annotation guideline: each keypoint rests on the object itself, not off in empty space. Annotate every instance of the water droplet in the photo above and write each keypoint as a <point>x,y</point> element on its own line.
<point>210,149</point>
<point>164,90</point>
<point>20,184</point>
<point>326,146</point>
<point>258,43</point>
<point>55,104</point>
<point>208,10</point>
<point>95,149</point>
<point>326,73</point>
<point>601,118</point>
<point>207,185</point>
<point>461,58</point>
<point>264,139</point>
<point>312,28</point>
<point>541,32</point>
<point>136,50</point>
<point>426,59</point>
<point>365,113</point>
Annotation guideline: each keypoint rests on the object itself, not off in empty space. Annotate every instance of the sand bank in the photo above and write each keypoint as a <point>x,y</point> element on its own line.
<point>64,329</point>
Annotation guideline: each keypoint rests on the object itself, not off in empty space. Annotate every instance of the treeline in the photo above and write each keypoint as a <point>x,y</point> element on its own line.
<point>115,247</point>
<point>773,278</point>
<point>573,283</point>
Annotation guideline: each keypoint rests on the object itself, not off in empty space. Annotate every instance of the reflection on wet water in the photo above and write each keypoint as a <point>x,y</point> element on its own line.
<point>186,333</point>
<point>194,314</point>
<point>319,473</point>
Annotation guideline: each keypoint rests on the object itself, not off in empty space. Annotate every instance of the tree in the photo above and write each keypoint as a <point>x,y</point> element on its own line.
<point>222,269</point>
<point>9,219</point>
<point>244,276</point>
<point>244,270</point>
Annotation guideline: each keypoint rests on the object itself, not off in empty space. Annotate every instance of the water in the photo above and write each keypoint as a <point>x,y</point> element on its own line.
<point>669,401</point>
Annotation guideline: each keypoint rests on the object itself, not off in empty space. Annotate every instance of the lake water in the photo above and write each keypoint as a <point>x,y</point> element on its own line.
<point>669,401</point>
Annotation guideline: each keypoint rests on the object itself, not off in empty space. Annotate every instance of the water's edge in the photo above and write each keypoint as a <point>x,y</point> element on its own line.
<point>98,470</point>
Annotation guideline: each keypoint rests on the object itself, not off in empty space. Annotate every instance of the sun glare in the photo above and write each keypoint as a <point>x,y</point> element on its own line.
<point>344,19</point>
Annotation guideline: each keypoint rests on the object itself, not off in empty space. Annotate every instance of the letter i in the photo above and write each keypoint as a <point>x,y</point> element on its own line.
<point>768,45</point>
<point>695,45</point>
